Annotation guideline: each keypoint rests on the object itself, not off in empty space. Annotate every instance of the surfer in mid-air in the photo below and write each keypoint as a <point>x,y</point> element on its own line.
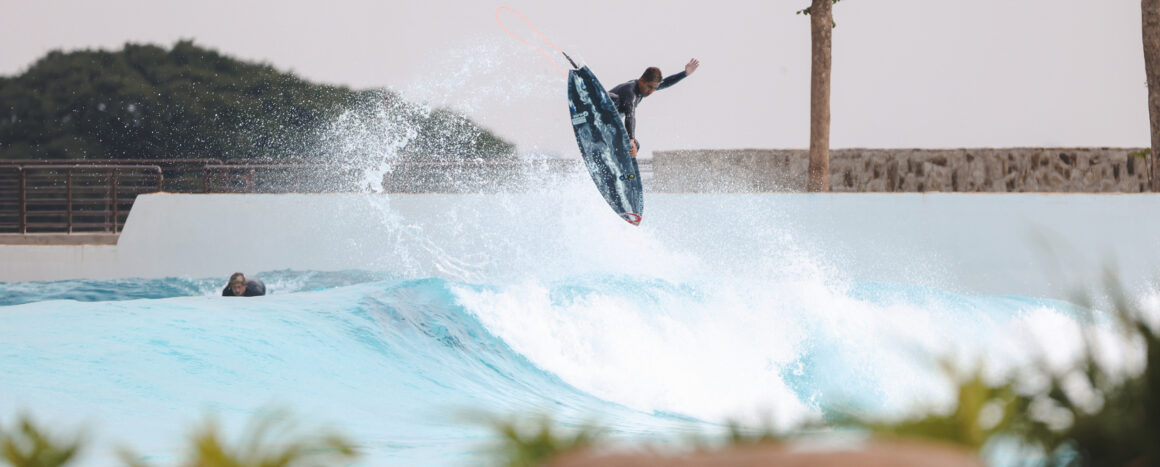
<point>628,95</point>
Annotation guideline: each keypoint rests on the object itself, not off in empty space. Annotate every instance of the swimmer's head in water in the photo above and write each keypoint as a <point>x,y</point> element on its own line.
<point>238,283</point>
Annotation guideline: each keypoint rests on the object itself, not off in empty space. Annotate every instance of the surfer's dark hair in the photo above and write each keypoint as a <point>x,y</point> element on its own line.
<point>651,74</point>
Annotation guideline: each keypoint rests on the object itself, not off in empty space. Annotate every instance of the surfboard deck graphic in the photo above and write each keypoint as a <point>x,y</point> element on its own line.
<point>604,145</point>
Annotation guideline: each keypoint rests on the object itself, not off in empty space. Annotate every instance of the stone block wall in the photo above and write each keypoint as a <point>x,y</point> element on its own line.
<point>1077,170</point>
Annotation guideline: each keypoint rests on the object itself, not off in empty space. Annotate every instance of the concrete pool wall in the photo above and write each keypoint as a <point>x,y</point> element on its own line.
<point>1017,244</point>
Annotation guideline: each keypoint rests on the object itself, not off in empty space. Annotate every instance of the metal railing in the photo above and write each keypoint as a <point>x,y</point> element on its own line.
<point>279,178</point>
<point>470,176</point>
<point>58,198</point>
<point>459,176</point>
<point>182,175</point>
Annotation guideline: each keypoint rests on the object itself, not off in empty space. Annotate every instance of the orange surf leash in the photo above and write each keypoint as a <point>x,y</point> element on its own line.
<point>537,31</point>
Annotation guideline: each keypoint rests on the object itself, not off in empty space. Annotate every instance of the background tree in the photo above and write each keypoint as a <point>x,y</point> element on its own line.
<point>189,102</point>
<point>821,33</point>
<point>1150,10</point>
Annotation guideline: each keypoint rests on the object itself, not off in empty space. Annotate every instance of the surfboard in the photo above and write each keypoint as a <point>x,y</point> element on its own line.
<point>604,145</point>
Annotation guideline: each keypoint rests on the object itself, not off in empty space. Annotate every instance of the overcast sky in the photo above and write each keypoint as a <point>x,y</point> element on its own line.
<point>906,73</point>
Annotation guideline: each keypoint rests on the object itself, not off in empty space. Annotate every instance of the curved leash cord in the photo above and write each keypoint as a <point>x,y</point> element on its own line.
<point>537,31</point>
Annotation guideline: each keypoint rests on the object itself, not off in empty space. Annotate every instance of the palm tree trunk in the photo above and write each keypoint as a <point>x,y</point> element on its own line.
<point>821,26</point>
<point>1151,17</point>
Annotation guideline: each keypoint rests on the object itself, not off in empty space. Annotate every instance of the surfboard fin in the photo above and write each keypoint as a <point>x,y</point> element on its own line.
<point>574,65</point>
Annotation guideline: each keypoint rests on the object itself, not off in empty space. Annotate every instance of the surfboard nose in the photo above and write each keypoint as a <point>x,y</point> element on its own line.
<point>632,218</point>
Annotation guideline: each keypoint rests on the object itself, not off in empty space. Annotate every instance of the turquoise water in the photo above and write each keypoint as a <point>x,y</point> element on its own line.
<point>513,305</point>
<point>400,364</point>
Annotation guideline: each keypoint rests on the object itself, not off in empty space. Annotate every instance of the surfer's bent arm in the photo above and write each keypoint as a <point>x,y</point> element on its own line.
<point>630,121</point>
<point>626,98</point>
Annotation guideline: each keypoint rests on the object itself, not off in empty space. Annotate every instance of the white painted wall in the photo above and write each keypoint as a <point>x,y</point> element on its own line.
<point>1019,244</point>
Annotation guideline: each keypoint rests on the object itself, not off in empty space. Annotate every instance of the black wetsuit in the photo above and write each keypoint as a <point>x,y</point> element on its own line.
<point>627,98</point>
<point>254,288</point>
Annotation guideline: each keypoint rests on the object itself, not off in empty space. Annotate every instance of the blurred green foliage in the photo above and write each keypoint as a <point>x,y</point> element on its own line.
<point>29,446</point>
<point>532,442</point>
<point>1085,415</point>
<point>190,102</point>
<point>740,434</point>
<point>271,440</point>
<point>981,411</point>
<point>1096,416</point>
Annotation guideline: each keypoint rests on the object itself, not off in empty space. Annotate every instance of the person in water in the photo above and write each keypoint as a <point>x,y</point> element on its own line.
<point>239,286</point>
<point>628,95</point>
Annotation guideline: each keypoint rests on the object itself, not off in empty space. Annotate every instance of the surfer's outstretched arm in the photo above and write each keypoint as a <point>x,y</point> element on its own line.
<point>673,79</point>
